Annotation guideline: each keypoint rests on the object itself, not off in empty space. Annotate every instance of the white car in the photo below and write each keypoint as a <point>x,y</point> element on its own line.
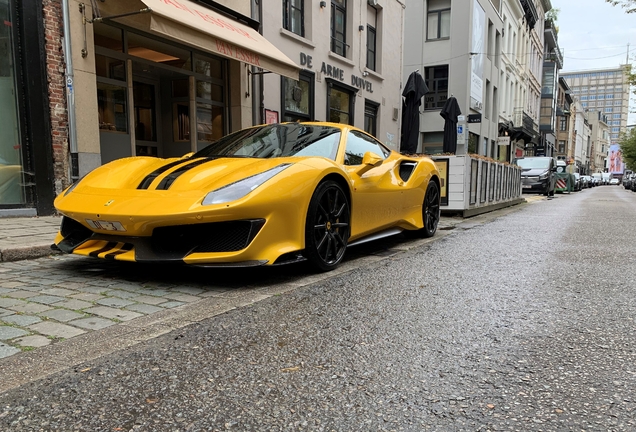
<point>614,181</point>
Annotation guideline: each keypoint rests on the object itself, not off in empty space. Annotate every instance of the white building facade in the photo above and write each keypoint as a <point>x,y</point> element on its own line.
<point>350,52</point>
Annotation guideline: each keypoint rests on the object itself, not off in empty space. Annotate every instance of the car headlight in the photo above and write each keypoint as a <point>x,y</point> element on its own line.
<point>239,189</point>
<point>544,176</point>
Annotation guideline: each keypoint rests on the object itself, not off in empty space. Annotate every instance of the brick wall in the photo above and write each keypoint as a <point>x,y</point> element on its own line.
<point>53,30</point>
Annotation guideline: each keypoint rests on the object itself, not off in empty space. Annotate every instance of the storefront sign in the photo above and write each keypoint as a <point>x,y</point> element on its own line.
<point>474,118</point>
<point>306,60</point>
<point>503,140</point>
<point>332,71</point>
<point>361,83</point>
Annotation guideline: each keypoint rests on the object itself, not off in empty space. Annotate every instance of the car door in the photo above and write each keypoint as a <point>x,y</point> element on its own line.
<point>376,195</point>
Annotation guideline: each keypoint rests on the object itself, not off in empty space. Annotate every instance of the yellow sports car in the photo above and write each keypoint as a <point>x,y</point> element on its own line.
<point>266,195</point>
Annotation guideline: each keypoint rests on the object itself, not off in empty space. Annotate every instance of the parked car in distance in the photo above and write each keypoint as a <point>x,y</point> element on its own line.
<point>578,182</point>
<point>584,182</point>
<point>614,181</point>
<point>538,174</point>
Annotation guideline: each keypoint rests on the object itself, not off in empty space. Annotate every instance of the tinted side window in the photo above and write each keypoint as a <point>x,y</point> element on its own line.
<point>358,144</point>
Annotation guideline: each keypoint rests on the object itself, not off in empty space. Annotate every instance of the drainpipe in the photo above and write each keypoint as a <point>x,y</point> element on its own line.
<point>70,92</point>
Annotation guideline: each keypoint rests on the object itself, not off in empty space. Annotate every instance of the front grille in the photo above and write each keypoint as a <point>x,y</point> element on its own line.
<point>210,237</point>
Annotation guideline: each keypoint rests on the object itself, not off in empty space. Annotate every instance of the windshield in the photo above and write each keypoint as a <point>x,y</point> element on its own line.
<point>277,140</point>
<point>533,163</point>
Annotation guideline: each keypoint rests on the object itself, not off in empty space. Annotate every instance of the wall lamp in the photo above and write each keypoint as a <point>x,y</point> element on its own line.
<point>323,4</point>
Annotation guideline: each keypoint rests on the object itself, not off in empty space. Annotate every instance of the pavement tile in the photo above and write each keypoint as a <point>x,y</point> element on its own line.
<point>31,308</point>
<point>89,297</point>
<point>21,320</point>
<point>45,299</point>
<point>126,287</point>
<point>112,313</point>
<point>7,350</point>
<point>114,302</point>
<point>153,292</point>
<point>213,292</point>
<point>62,315</point>
<point>5,291</point>
<point>77,286</point>
<point>121,294</point>
<point>144,308</point>
<point>32,288</point>
<point>182,297</point>
<point>7,332</point>
<point>63,292</point>
<point>5,312</point>
<point>149,299</point>
<point>74,304</point>
<point>11,284</point>
<point>32,341</point>
<point>188,290</point>
<point>171,304</point>
<point>92,323</point>
<point>9,302</point>
<point>91,289</point>
<point>51,328</point>
<point>21,294</point>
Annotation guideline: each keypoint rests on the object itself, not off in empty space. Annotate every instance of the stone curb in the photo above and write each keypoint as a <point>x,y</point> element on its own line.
<point>25,253</point>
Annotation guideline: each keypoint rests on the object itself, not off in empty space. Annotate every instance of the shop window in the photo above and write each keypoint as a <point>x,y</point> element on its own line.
<point>371,47</point>
<point>432,142</point>
<point>294,16</point>
<point>341,100</point>
<point>339,27</point>
<point>111,104</point>
<point>109,37</point>
<point>209,122</point>
<point>298,98</point>
<point>436,78</point>
<point>206,90</point>
<point>438,19</point>
<point>159,52</point>
<point>107,67</point>
<point>371,117</point>
<point>145,112</point>
<point>358,144</point>
<point>561,146</point>
<point>208,66</point>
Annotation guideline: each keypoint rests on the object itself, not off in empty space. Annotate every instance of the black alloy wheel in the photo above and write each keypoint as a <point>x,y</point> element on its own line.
<point>328,227</point>
<point>431,211</point>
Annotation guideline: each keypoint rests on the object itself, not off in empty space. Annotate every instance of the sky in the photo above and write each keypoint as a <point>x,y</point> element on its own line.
<point>594,34</point>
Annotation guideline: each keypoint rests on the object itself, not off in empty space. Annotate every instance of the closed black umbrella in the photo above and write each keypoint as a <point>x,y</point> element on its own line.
<point>450,112</point>
<point>414,89</point>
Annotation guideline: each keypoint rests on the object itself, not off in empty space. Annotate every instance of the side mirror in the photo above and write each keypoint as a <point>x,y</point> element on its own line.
<point>369,160</point>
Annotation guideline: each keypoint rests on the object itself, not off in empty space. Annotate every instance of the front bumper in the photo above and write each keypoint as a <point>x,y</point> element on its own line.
<point>533,185</point>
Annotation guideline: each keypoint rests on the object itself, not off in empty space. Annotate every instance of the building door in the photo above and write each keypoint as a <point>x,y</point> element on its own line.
<point>11,189</point>
<point>145,98</point>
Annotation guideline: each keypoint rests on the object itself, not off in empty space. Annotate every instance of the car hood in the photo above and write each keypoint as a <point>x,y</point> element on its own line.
<point>177,174</point>
<point>533,172</point>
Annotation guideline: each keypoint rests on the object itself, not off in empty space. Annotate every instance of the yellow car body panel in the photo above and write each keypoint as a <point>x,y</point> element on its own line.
<point>118,207</point>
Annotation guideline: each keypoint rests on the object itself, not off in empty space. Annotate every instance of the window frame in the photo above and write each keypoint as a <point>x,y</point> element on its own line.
<point>288,8</point>
<point>433,91</point>
<point>439,20</point>
<point>371,110</point>
<point>335,7</point>
<point>372,50</point>
<point>303,76</point>
<point>352,91</point>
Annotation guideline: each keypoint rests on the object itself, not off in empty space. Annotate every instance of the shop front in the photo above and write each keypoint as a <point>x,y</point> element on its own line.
<point>171,77</point>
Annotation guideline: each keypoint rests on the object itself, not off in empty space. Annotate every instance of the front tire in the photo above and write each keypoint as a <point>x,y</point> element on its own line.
<point>431,211</point>
<point>327,227</point>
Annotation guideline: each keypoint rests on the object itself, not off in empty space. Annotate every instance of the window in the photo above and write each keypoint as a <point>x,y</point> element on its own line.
<point>341,103</point>
<point>584,98</point>
<point>616,123</point>
<point>370,47</point>
<point>561,146</point>
<point>616,116</point>
<point>298,98</point>
<point>438,21</point>
<point>371,117</point>
<point>358,144</point>
<point>563,124</point>
<point>436,78</point>
<point>615,129</point>
<point>609,96</point>
<point>584,104</point>
<point>294,16</point>
<point>339,27</point>
<point>617,102</point>
<point>609,110</point>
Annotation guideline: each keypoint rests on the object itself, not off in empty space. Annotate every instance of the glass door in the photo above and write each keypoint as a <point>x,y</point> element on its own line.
<point>146,139</point>
<point>11,183</point>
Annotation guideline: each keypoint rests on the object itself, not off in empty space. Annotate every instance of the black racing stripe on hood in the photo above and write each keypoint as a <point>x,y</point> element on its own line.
<point>145,183</point>
<point>167,181</point>
<point>125,248</point>
<point>109,246</point>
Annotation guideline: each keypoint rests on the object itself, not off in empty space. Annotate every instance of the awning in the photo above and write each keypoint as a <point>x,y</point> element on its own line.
<point>195,25</point>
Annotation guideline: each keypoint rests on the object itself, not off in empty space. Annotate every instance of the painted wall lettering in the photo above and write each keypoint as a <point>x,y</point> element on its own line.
<point>306,60</point>
<point>361,83</point>
<point>332,71</point>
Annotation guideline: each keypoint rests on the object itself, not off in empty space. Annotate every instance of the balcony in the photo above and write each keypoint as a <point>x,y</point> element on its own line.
<point>530,12</point>
<point>554,55</point>
<point>550,34</point>
<point>523,126</point>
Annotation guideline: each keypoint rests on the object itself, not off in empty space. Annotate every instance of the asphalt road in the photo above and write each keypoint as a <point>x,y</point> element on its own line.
<point>525,323</point>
